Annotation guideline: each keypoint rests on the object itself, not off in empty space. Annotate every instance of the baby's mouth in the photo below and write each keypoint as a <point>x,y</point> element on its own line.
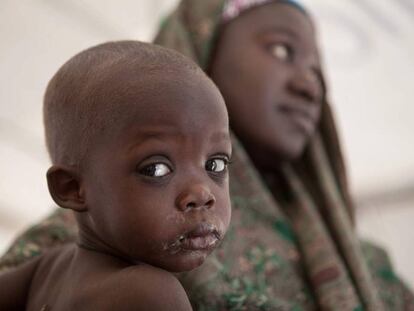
<point>202,237</point>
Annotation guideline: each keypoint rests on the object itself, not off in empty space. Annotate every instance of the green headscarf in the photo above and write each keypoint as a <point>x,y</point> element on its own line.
<point>294,249</point>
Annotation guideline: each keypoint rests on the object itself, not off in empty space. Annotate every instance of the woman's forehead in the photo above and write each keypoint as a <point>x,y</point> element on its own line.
<point>278,13</point>
<point>233,8</point>
<point>272,19</point>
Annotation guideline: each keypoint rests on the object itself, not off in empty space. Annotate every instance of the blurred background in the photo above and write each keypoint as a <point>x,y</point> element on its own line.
<point>368,48</point>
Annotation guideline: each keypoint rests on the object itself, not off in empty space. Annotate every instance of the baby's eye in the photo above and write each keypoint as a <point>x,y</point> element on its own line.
<point>216,165</point>
<point>155,170</point>
<point>281,51</point>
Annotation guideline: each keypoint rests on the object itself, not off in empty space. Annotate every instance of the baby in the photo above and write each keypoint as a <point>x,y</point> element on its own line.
<point>139,141</point>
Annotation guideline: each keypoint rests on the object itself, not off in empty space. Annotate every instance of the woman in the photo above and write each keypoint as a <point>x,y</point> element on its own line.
<point>291,245</point>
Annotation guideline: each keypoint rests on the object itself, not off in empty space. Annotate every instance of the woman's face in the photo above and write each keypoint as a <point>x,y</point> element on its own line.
<point>267,67</point>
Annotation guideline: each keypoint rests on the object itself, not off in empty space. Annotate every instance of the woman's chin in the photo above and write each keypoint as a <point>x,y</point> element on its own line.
<point>291,150</point>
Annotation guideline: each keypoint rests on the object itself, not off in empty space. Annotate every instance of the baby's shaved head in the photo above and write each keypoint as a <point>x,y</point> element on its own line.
<point>88,92</point>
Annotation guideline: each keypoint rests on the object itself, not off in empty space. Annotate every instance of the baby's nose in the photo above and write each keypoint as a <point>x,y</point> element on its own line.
<point>195,196</point>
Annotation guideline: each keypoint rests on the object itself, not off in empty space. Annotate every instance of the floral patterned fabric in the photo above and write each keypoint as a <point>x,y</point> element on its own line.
<point>292,248</point>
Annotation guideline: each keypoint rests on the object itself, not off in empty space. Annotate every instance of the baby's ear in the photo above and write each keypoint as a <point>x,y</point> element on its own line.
<point>66,188</point>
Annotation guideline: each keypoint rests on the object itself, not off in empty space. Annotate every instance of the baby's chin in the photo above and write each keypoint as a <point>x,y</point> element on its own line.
<point>187,261</point>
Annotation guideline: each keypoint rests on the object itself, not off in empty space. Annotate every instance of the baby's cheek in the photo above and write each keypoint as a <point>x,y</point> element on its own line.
<point>169,228</point>
<point>227,218</point>
<point>225,208</point>
<point>222,218</point>
<point>175,219</point>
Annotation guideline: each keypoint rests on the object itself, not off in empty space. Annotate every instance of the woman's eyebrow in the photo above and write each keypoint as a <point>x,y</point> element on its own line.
<point>279,30</point>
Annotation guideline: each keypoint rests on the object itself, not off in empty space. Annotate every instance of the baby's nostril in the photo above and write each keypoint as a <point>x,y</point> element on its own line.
<point>210,203</point>
<point>191,205</point>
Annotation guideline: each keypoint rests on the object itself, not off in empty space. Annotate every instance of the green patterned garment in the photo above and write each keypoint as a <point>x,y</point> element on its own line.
<point>292,248</point>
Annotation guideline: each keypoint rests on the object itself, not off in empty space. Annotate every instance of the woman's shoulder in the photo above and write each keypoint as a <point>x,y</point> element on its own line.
<point>395,294</point>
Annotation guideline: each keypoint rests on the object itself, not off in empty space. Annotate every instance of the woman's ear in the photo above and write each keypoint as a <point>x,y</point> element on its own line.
<point>66,188</point>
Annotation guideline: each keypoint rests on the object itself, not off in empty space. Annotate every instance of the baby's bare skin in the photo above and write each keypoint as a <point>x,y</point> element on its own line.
<point>73,278</point>
<point>150,195</point>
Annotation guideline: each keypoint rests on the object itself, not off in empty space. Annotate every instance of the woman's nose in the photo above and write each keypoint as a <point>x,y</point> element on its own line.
<point>306,84</point>
<point>195,196</point>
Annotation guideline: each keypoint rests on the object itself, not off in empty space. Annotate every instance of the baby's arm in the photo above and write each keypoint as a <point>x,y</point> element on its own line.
<point>146,288</point>
<point>15,285</point>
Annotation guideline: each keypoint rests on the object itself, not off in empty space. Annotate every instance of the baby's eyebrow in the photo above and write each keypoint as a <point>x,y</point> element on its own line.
<point>220,136</point>
<point>171,133</point>
<point>155,135</point>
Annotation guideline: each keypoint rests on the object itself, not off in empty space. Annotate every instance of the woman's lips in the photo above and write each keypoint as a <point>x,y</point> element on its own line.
<point>301,116</point>
<point>202,237</point>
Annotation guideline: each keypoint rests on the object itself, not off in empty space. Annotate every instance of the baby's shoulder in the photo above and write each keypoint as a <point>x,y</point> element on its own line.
<point>15,285</point>
<point>145,287</point>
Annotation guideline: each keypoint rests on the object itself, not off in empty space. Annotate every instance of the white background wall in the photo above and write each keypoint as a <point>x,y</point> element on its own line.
<point>368,48</point>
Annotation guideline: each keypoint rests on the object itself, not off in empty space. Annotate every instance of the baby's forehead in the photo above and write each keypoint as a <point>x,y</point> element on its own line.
<point>140,90</point>
<point>130,79</point>
<point>93,92</point>
<point>132,73</point>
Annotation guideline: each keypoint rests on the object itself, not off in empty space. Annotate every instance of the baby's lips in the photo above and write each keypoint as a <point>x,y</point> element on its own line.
<point>201,243</point>
<point>202,237</point>
<point>202,230</point>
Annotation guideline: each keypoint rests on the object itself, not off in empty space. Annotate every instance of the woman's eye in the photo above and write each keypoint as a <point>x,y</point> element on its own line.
<point>216,165</point>
<point>281,51</point>
<point>155,170</point>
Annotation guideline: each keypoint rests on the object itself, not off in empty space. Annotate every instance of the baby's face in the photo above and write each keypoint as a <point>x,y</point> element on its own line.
<point>157,186</point>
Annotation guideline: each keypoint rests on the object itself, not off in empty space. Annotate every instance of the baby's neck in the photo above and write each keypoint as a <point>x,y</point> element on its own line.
<point>89,240</point>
